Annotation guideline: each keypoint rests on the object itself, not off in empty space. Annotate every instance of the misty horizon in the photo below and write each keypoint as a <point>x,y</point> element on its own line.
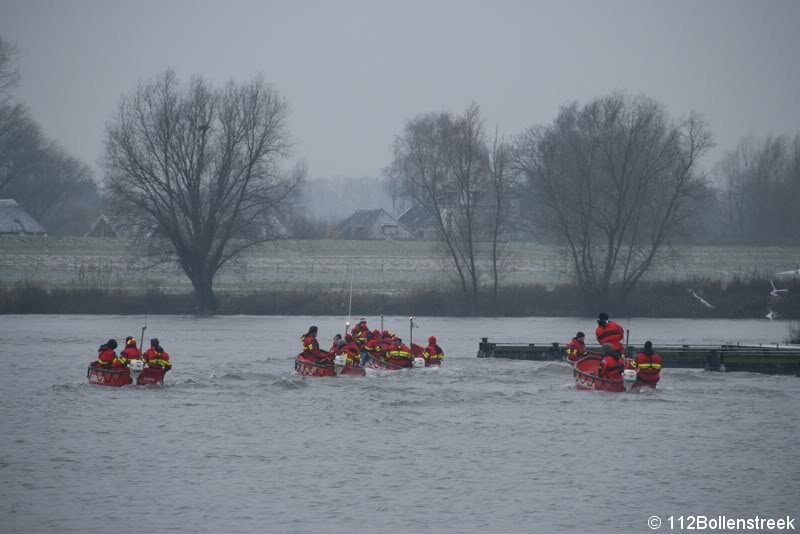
<point>354,73</point>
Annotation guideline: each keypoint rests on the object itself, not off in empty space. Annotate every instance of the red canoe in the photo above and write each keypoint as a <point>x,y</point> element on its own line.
<point>585,373</point>
<point>122,377</point>
<point>310,367</point>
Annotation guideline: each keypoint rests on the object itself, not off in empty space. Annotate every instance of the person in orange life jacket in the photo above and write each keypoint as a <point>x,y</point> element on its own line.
<point>647,364</point>
<point>360,332</point>
<point>106,355</point>
<point>373,347</point>
<point>156,356</point>
<point>576,349</point>
<point>609,332</point>
<point>335,344</point>
<point>352,346</point>
<point>399,350</point>
<point>311,345</point>
<point>610,366</point>
<point>433,351</point>
<point>131,351</point>
<point>343,349</point>
<point>387,340</point>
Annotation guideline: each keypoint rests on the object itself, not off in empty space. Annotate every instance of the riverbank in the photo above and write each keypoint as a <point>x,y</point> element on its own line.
<point>741,298</point>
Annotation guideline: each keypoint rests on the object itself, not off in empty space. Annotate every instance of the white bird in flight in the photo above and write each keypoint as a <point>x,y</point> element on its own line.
<point>772,315</point>
<point>775,291</point>
<point>705,302</point>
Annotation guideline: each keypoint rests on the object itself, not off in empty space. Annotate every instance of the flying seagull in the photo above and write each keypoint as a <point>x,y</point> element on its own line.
<point>705,302</point>
<point>776,292</point>
<point>772,315</point>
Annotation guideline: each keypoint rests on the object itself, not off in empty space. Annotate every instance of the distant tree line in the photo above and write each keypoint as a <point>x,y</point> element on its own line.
<point>759,191</point>
<point>53,186</point>
<point>613,182</point>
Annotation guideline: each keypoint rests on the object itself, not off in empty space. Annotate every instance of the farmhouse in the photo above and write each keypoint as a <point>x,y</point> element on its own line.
<point>421,222</point>
<point>373,224</point>
<point>14,220</point>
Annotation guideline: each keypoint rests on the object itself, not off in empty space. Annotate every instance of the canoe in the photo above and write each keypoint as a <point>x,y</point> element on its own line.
<point>101,376</point>
<point>306,366</point>
<point>585,373</point>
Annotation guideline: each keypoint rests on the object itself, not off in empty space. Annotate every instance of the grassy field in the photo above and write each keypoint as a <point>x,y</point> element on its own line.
<point>377,265</point>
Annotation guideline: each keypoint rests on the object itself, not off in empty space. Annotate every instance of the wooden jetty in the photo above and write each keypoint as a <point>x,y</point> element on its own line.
<point>772,359</point>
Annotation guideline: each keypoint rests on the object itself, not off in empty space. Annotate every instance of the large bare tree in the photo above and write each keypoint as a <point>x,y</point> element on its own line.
<point>201,166</point>
<point>441,162</point>
<point>614,180</point>
<point>9,73</point>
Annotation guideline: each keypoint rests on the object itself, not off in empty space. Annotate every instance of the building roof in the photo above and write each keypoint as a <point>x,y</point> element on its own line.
<point>15,220</point>
<point>418,218</point>
<point>374,224</point>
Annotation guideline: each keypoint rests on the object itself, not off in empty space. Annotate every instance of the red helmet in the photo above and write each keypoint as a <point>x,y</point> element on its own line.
<point>348,338</point>
<point>432,340</point>
<point>376,333</point>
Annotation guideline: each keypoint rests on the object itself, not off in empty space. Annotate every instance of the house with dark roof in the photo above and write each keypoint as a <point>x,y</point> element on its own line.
<point>373,224</point>
<point>104,226</point>
<point>420,222</point>
<point>14,220</point>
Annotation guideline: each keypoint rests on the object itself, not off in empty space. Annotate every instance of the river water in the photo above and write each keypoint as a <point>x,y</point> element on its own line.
<point>235,442</point>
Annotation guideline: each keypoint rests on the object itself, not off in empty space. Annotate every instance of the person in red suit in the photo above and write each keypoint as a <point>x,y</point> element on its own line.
<point>335,344</point>
<point>373,347</point>
<point>609,332</point>
<point>610,366</point>
<point>433,351</point>
<point>131,351</point>
<point>156,356</point>
<point>576,349</point>
<point>106,357</point>
<point>311,346</point>
<point>360,331</point>
<point>647,364</point>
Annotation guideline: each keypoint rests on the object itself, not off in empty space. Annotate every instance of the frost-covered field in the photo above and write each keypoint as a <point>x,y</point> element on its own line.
<point>386,265</point>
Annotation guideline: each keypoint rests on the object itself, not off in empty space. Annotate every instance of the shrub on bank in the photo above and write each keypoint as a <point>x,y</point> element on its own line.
<point>746,297</point>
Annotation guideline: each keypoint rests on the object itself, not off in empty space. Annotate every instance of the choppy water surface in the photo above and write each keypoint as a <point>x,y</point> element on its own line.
<point>235,442</point>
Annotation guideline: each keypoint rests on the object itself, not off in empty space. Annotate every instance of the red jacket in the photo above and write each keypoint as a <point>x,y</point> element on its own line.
<point>610,368</point>
<point>612,333</point>
<point>648,367</point>
<point>106,357</point>
<point>311,348</point>
<point>131,353</point>
<point>360,332</point>
<point>434,352</point>
<point>153,359</point>
<point>310,343</point>
<point>576,350</point>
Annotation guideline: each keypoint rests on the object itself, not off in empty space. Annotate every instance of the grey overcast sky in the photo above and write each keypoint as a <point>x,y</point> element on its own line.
<point>355,71</point>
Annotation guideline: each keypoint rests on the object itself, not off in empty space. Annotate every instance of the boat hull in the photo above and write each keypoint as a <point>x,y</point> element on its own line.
<point>388,364</point>
<point>121,377</point>
<point>306,367</point>
<point>585,373</point>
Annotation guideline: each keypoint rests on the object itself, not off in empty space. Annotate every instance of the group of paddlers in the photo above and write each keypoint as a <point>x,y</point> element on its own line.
<point>610,335</point>
<point>361,343</point>
<point>155,356</point>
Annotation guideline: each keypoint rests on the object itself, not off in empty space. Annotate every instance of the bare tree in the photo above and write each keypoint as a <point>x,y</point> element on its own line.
<point>442,163</point>
<point>9,74</point>
<point>760,187</point>
<point>201,166</point>
<point>614,180</point>
<point>501,185</point>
